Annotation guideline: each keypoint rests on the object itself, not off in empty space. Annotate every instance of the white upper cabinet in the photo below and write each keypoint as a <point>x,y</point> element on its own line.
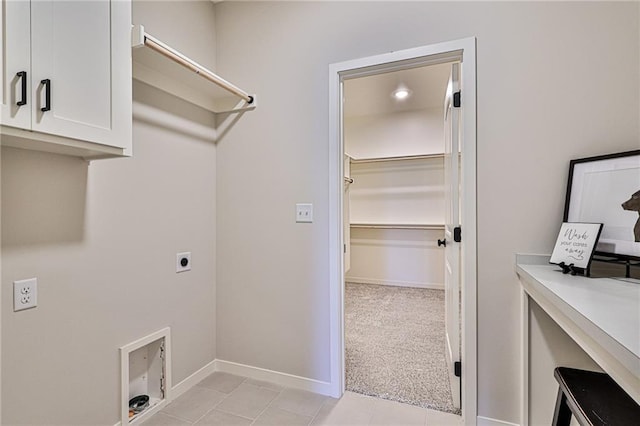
<point>77,58</point>
<point>15,90</point>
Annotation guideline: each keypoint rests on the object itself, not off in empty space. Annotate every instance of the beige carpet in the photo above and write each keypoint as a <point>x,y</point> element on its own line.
<point>395,345</point>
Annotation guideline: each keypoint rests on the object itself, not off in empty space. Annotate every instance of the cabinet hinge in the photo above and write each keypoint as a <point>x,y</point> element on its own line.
<point>457,368</point>
<point>456,99</point>
<point>457,234</point>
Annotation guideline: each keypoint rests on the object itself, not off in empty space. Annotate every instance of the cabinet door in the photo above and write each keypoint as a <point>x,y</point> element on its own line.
<point>15,90</point>
<point>82,49</point>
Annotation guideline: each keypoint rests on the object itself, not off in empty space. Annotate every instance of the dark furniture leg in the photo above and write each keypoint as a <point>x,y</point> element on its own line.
<point>562,413</point>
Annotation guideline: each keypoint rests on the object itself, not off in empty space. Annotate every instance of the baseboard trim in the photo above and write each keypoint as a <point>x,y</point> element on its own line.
<point>415,284</point>
<point>282,379</point>
<point>488,421</point>
<point>193,379</point>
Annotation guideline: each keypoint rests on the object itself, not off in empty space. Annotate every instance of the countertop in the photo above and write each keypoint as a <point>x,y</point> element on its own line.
<point>601,314</point>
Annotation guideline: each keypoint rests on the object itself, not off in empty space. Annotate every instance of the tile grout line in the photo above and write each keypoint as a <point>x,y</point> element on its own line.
<point>293,412</point>
<point>320,409</point>
<point>268,405</point>
<point>304,415</point>
<point>173,416</point>
<point>212,408</point>
<point>219,402</point>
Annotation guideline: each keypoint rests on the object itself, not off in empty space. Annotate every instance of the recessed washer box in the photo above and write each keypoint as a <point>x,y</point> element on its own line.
<point>146,370</point>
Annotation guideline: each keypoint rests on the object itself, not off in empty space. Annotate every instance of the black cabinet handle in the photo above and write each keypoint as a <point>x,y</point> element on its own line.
<point>47,95</point>
<point>23,90</point>
<point>442,242</point>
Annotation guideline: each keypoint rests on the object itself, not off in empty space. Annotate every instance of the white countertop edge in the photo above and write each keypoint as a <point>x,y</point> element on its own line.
<point>579,317</point>
<point>616,359</point>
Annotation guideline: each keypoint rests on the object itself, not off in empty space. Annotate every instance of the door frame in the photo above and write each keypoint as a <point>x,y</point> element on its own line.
<point>463,50</point>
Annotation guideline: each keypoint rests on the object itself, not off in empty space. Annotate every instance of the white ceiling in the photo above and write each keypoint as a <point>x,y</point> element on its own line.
<point>373,95</point>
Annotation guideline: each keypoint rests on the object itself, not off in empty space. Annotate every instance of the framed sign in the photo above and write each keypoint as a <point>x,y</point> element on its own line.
<point>575,245</point>
<point>606,189</point>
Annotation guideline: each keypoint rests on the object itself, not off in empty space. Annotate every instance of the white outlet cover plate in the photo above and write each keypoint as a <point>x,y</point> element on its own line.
<point>25,294</point>
<point>304,212</point>
<point>179,257</point>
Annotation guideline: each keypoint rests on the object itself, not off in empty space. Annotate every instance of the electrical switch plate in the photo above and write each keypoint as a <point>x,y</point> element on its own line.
<point>304,212</point>
<point>25,294</point>
<point>183,262</point>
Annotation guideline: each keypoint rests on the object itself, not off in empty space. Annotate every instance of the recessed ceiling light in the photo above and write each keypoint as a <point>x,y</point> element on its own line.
<point>401,94</point>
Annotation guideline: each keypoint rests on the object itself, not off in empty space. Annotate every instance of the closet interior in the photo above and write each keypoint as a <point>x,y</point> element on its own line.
<point>394,214</point>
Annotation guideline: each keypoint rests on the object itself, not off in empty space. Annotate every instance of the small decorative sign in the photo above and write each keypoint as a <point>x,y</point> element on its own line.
<point>574,247</point>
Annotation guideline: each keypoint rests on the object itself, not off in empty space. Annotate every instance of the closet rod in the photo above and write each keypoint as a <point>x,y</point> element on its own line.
<point>402,157</point>
<point>158,46</point>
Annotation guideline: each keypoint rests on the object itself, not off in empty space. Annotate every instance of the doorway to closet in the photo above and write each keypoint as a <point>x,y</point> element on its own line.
<point>462,51</point>
<point>396,341</point>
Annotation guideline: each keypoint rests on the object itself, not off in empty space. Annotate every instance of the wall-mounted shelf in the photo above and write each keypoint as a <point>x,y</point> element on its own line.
<point>159,65</point>
<point>398,158</point>
<point>420,226</point>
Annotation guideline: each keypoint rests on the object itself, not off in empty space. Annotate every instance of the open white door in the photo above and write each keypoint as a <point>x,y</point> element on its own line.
<point>452,221</point>
<point>346,220</point>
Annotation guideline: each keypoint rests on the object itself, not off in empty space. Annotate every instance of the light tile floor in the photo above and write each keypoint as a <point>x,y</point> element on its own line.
<point>225,399</point>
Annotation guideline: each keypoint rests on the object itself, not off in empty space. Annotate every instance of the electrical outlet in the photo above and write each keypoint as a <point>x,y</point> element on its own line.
<point>183,262</point>
<point>304,212</point>
<point>25,294</point>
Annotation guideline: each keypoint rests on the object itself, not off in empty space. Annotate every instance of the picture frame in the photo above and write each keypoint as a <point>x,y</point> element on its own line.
<point>575,246</point>
<point>606,189</point>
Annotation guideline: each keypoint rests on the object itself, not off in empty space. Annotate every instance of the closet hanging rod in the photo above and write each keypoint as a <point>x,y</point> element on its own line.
<point>140,38</point>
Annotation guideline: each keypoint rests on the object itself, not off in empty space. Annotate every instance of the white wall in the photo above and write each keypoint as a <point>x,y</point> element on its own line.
<point>549,79</point>
<point>397,192</point>
<point>395,134</point>
<point>102,240</point>
<point>1,298</point>
<point>397,257</point>
<point>400,191</point>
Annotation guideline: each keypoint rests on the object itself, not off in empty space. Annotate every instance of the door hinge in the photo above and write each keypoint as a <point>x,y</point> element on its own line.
<point>457,368</point>
<point>456,99</point>
<point>344,248</point>
<point>457,234</point>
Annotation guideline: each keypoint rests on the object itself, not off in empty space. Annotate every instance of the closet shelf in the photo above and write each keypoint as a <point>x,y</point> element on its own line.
<point>396,158</point>
<point>163,67</point>
<point>421,226</point>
